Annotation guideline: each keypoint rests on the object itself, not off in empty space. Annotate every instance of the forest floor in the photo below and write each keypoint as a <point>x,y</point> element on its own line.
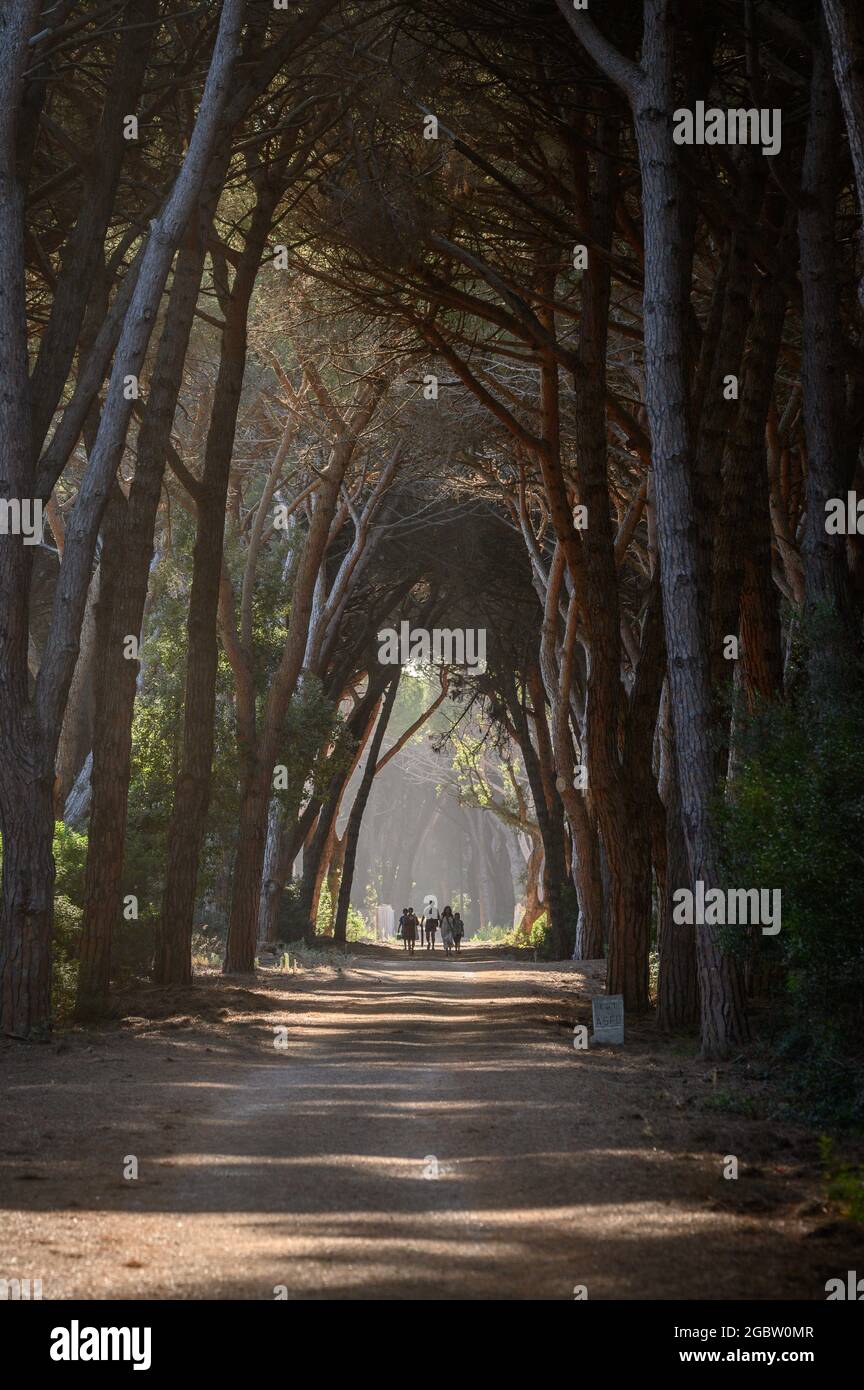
<point>314,1166</point>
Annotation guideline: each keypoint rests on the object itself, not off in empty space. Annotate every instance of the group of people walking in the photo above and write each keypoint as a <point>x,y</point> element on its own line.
<point>411,927</point>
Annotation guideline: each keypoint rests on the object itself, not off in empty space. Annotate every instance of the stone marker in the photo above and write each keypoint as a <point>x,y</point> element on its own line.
<point>608,1017</point>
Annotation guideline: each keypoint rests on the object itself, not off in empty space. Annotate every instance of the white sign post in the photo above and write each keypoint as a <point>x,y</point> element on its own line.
<point>608,1017</point>
<point>384,922</point>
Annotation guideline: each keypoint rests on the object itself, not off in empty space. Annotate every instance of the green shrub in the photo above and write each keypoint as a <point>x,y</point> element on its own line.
<point>540,937</point>
<point>795,822</point>
<point>324,920</point>
<point>845,1184</point>
<point>70,858</point>
<point>357,928</point>
<point>65,948</point>
<point>499,935</point>
<point>514,936</point>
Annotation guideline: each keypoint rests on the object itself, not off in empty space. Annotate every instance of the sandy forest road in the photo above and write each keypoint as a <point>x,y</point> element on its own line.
<point>309,1167</point>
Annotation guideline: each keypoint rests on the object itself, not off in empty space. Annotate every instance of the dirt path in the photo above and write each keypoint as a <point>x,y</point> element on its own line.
<point>314,1167</point>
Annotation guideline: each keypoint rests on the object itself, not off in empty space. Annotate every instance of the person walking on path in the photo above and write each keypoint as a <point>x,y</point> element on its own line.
<point>431,928</point>
<point>409,931</point>
<point>458,930</point>
<point>447,929</point>
<point>400,931</point>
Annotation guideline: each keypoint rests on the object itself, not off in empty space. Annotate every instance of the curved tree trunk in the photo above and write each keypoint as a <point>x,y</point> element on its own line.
<point>125,572</point>
<point>173,964</point>
<point>551,827</point>
<point>335,868</point>
<point>355,820</point>
<point>240,948</point>
<point>76,734</point>
<point>533,901</point>
<point>315,856</point>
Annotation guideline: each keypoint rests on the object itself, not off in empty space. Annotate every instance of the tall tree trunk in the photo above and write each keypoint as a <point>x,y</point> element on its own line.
<point>70,595</point>
<point>613,788</point>
<point>826,578</point>
<point>260,761</point>
<point>723,345</point>
<point>533,900</point>
<point>557,667</point>
<point>677,991</point>
<point>666,300</point>
<point>77,807</point>
<point>127,559</point>
<point>25,948</point>
<point>84,252</point>
<point>551,829</point>
<point>76,736</point>
<point>173,965</point>
<point>318,884</point>
<point>588,882</point>
<point>111,745</point>
<point>291,837</point>
<point>275,872</point>
<point>335,869</point>
<point>360,724</point>
<point>26,776</point>
<point>355,820</point>
<point>749,516</point>
<point>651,91</point>
<point>666,303</point>
<point>846,29</point>
<point>557,886</point>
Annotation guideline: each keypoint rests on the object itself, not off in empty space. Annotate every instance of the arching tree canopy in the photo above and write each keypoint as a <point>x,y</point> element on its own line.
<point>430,458</point>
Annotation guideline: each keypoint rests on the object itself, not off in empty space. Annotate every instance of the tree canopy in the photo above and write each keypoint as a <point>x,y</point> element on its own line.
<point>322,318</point>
